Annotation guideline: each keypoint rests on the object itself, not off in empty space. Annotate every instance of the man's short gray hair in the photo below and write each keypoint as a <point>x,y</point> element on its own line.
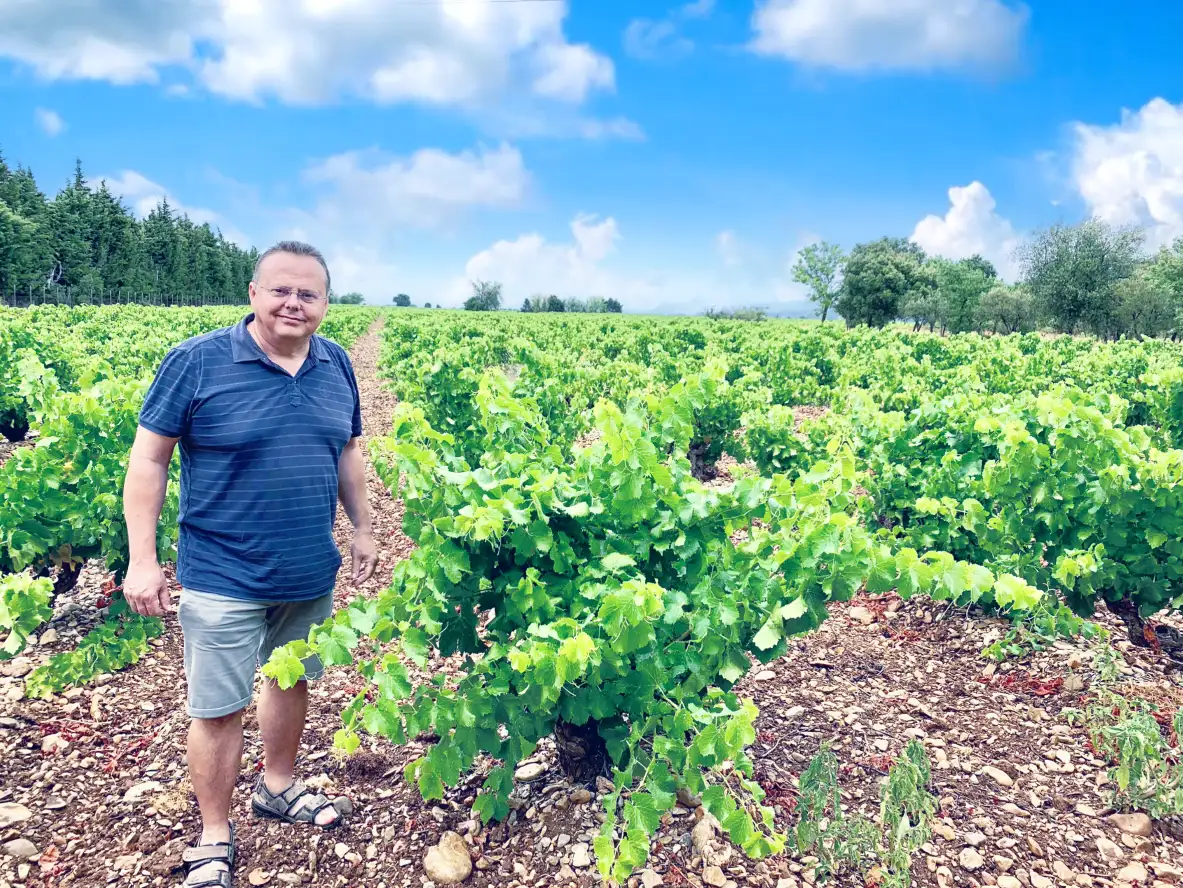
<point>296,248</point>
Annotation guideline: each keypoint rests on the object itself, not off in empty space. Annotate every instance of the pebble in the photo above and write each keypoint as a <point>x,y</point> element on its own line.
<point>11,813</point>
<point>1167,872</point>
<point>861,615</point>
<point>650,879</point>
<point>581,796</point>
<point>1133,873</point>
<point>54,743</point>
<point>970,859</point>
<point>1038,880</point>
<point>1109,852</point>
<point>529,772</point>
<point>580,856</point>
<point>975,839</point>
<point>141,789</point>
<point>1007,881</point>
<point>448,863</point>
<point>22,849</point>
<point>712,875</point>
<point>1063,873</point>
<point>1132,824</point>
<point>765,675</point>
<point>1000,777</point>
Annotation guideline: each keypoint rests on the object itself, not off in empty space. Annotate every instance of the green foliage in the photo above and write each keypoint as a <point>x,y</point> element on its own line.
<point>879,279</point>
<point>1073,271</point>
<point>624,594</point>
<point>824,830</point>
<point>1003,309</point>
<point>842,842</point>
<point>960,287</point>
<point>1039,628</point>
<point>906,812</point>
<point>359,299</point>
<point>1146,772</point>
<point>24,605</point>
<point>819,267</point>
<point>118,642</point>
<point>486,296</point>
<point>86,243</point>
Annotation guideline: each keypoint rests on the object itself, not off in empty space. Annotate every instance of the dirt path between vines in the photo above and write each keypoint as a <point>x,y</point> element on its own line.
<point>101,770</point>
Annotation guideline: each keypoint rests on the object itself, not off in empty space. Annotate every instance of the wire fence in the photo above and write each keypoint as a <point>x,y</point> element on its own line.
<point>54,294</point>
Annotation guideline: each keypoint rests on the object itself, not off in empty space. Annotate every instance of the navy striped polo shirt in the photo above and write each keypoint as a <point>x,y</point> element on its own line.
<point>259,462</point>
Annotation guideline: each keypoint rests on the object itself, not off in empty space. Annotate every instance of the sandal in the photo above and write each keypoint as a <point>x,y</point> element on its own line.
<point>297,804</point>
<point>215,861</point>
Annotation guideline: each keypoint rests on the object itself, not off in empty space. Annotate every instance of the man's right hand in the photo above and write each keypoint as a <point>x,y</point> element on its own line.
<point>146,590</point>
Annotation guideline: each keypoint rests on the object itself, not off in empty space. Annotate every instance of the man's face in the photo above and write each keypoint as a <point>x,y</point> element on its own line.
<point>292,313</point>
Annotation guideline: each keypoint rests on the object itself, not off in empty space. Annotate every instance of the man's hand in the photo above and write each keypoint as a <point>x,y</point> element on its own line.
<point>365,556</point>
<point>146,590</point>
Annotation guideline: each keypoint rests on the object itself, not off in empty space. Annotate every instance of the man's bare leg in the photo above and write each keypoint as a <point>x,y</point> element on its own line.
<point>215,758</point>
<point>282,715</point>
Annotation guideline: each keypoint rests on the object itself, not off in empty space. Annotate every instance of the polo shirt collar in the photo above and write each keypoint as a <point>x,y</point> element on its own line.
<point>244,348</point>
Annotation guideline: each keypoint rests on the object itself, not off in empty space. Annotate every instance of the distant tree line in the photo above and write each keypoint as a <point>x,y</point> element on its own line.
<point>1085,278</point>
<point>552,303</point>
<point>85,241</point>
<point>486,296</point>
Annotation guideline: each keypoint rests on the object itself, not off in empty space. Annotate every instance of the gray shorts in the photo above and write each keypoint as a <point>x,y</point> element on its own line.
<point>227,639</point>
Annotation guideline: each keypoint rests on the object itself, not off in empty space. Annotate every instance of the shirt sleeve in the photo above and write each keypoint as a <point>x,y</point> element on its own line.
<point>168,405</point>
<point>356,433</point>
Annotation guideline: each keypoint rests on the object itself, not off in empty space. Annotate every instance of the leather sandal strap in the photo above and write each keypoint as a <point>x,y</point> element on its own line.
<point>206,853</point>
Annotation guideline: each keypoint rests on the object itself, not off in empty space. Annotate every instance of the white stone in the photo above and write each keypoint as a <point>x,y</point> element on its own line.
<point>529,771</point>
<point>1000,777</point>
<point>11,813</point>
<point>22,849</point>
<point>140,790</point>
<point>580,856</point>
<point>448,863</point>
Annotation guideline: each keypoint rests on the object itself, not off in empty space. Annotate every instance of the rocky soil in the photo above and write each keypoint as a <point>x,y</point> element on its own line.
<point>93,786</point>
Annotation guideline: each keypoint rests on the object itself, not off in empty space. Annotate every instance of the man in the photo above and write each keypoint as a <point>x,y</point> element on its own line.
<point>268,418</point>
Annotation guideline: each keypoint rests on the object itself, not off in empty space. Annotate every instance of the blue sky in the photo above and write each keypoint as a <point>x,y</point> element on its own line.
<point>674,155</point>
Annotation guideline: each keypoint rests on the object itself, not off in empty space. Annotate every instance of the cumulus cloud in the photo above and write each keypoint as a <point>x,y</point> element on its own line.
<point>142,196</point>
<point>427,189</point>
<point>592,263</point>
<point>1131,173</point>
<point>653,38</point>
<point>727,245</point>
<point>864,35</point>
<point>311,51</point>
<point>972,226</point>
<point>121,41</point>
<point>49,122</point>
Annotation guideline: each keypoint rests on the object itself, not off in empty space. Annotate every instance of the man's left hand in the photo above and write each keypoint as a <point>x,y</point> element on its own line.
<point>365,556</point>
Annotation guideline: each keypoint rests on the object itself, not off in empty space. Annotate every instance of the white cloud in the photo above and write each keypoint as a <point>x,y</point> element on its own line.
<point>972,226</point>
<point>49,122</point>
<point>142,196</point>
<point>122,41</point>
<point>311,51</point>
<point>863,35</point>
<point>1131,173</point>
<point>591,263</point>
<point>427,189</point>
<point>727,245</point>
<point>650,38</point>
<point>570,72</point>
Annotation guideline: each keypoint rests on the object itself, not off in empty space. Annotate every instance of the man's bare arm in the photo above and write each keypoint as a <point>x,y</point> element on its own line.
<point>143,498</point>
<point>354,495</point>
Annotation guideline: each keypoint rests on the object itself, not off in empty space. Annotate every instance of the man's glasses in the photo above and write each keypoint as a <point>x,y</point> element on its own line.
<point>308,297</point>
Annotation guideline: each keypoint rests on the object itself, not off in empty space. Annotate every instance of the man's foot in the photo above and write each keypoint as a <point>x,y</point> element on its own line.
<point>210,863</point>
<point>299,804</point>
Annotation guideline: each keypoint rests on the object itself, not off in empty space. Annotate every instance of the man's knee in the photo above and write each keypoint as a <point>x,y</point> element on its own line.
<point>217,723</point>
